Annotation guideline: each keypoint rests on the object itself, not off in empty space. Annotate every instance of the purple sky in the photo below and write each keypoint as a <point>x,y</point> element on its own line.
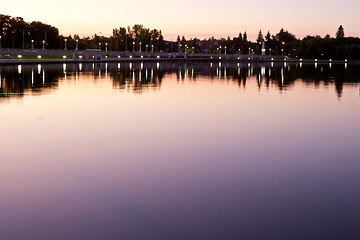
<point>193,18</point>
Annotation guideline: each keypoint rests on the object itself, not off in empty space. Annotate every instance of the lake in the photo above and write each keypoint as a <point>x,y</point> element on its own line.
<point>180,151</point>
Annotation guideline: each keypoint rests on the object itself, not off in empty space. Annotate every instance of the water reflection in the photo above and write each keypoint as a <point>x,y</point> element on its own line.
<point>17,81</point>
<point>193,151</point>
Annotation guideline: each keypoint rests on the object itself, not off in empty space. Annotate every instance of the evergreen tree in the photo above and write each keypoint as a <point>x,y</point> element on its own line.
<point>240,37</point>
<point>340,32</point>
<point>268,36</point>
<point>260,37</point>
<point>245,37</point>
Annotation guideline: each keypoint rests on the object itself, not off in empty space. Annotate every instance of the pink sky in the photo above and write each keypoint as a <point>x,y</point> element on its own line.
<point>200,19</point>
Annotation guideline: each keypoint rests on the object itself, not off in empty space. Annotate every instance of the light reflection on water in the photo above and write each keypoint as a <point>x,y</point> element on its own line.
<point>136,76</point>
<point>179,151</point>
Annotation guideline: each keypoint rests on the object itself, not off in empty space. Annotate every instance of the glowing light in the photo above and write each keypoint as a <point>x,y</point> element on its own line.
<point>19,56</point>
<point>80,57</point>
<point>64,56</point>
<point>39,56</point>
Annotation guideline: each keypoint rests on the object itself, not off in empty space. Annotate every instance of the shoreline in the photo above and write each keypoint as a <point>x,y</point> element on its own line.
<point>39,56</point>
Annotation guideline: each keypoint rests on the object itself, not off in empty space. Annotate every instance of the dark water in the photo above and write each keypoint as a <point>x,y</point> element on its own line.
<point>180,151</point>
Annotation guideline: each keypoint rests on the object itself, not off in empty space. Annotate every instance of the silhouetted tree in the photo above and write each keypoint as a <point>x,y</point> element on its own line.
<point>260,37</point>
<point>340,33</point>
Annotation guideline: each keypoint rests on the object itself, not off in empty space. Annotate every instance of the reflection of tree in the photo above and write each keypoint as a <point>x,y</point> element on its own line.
<point>16,81</point>
<point>138,77</point>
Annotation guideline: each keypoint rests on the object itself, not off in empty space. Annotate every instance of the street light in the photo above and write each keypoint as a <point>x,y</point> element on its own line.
<point>77,44</point>
<point>100,46</point>
<point>140,47</point>
<point>147,46</point>
<point>225,50</point>
<point>0,42</point>
<point>94,39</point>
<point>185,48</point>
<point>152,48</point>
<point>133,46</point>
<point>220,49</point>
<point>32,44</point>
<point>43,43</point>
<point>65,43</point>
<point>106,44</point>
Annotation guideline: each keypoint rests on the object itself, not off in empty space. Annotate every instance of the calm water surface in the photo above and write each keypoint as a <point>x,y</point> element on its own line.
<point>179,151</point>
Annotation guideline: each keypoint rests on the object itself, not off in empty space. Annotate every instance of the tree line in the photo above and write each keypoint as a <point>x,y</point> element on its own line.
<point>16,33</point>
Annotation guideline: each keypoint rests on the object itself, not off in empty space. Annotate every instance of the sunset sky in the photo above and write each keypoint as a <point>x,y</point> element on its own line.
<point>200,19</point>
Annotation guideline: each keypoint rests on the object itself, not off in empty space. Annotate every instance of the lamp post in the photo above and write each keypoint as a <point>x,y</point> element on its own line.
<point>0,42</point>
<point>270,51</point>
<point>77,45</point>
<point>152,48</point>
<point>65,44</point>
<point>43,43</point>
<point>32,44</point>
<point>94,39</point>
<point>106,47</point>
<point>147,47</point>
<point>220,49</point>
<point>185,48</point>
<point>249,50</point>
<point>140,47</point>
<point>133,46</point>
<point>100,46</point>
<point>225,50</point>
